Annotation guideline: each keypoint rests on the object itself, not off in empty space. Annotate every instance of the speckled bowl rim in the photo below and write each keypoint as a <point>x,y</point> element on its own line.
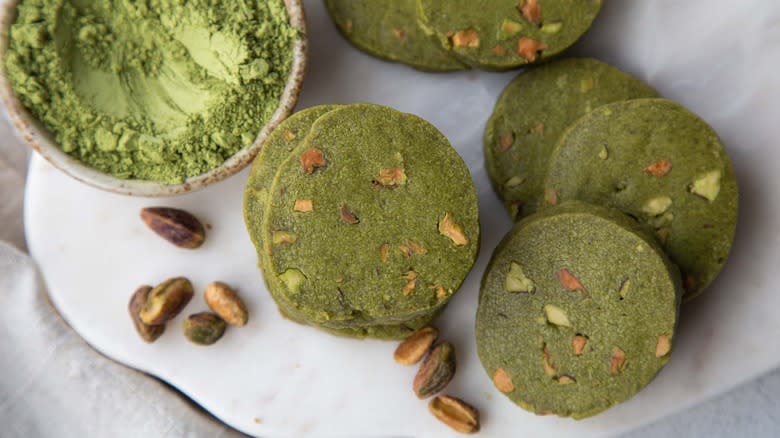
<point>41,140</point>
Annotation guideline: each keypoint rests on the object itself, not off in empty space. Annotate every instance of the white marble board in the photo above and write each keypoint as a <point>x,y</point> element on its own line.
<point>277,379</point>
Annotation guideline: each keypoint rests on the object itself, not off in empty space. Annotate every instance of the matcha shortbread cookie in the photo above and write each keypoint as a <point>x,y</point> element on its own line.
<point>577,311</point>
<point>364,228</point>
<point>506,34</point>
<point>388,29</point>
<point>531,116</point>
<point>277,148</point>
<point>280,143</point>
<point>662,164</point>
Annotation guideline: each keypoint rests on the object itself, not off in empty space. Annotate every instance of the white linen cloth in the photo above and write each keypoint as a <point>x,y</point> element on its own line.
<point>13,159</point>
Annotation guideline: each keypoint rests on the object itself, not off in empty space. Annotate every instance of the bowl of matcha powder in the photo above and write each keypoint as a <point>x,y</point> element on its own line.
<point>150,98</point>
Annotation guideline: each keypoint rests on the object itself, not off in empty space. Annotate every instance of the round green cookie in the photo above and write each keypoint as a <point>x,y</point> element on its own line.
<point>577,311</point>
<point>280,143</point>
<point>388,29</point>
<point>276,149</point>
<point>363,227</point>
<point>506,34</point>
<point>662,164</point>
<point>531,116</point>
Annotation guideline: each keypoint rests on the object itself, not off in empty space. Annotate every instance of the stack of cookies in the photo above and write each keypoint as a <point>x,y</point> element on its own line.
<point>627,206</point>
<point>445,35</point>
<point>364,218</point>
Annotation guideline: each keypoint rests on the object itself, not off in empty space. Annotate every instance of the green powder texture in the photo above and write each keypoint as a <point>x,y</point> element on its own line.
<point>159,90</point>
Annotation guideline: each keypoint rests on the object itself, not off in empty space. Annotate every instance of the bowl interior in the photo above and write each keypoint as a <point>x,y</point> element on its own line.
<point>42,141</point>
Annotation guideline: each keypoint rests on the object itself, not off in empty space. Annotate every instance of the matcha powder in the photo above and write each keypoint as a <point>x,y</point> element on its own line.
<point>156,90</point>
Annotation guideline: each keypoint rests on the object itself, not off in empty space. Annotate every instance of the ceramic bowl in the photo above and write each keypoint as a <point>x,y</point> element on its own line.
<point>43,142</point>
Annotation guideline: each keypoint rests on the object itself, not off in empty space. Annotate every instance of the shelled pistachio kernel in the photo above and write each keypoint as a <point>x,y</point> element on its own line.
<point>503,381</point>
<point>166,301</point>
<point>455,413</point>
<point>226,303</point>
<point>451,229</point>
<point>148,333</point>
<point>204,328</point>
<point>468,38</point>
<point>177,226</point>
<point>436,371</point>
<point>413,349</point>
<point>517,281</point>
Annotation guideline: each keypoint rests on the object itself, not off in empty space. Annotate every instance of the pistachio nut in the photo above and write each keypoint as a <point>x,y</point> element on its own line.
<point>303,206</point>
<point>657,206</point>
<point>455,413</point>
<point>618,361</point>
<point>506,141</point>
<point>391,178</point>
<point>509,28</point>
<point>707,186</point>
<point>468,38</point>
<point>176,226</point>
<point>226,303</point>
<point>552,27</point>
<point>411,282</point>
<point>311,160</point>
<point>148,333</point>
<point>532,11</point>
<point>412,350</point>
<point>556,316</point>
<point>578,343</point>
<point>517,281</point>
<point>566,380</point>
<point>569,281</point>
<point>451,229</point>
<point>663,346</point>
<point>659,169</point>
<point>166,300</point>
<point>204,328</point>
<point>529,49</point>
<point>436,371</point>
<point>503,381</point>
